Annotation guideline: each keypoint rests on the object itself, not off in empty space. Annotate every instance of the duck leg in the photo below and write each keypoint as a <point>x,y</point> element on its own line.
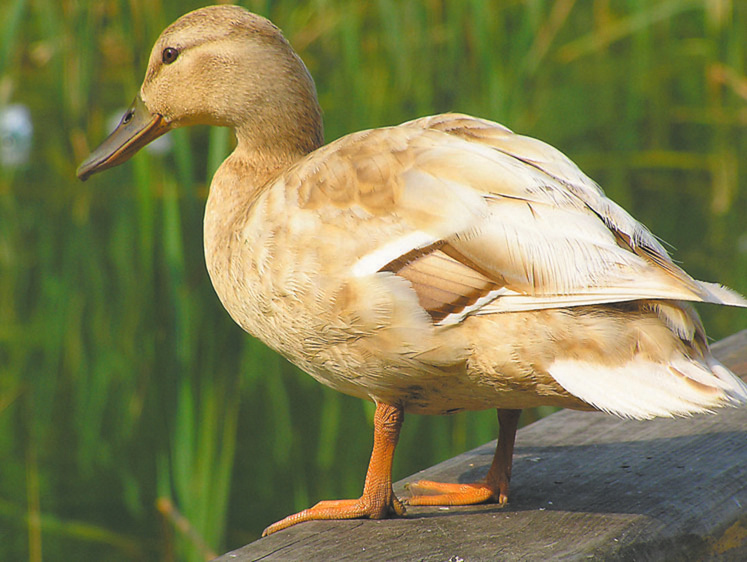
<point>495,486</point>
<point>378,500</point>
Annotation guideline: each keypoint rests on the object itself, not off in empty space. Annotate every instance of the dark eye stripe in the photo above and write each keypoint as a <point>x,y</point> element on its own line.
<point>169,55</point>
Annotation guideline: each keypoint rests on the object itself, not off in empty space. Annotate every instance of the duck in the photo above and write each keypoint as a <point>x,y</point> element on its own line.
<point>441,265</point>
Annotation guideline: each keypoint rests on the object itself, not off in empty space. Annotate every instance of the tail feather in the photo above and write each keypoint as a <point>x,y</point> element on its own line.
<point>643,389</point>
<point>733,385</point>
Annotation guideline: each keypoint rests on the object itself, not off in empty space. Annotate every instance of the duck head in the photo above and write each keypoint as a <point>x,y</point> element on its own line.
<point>224,66</point>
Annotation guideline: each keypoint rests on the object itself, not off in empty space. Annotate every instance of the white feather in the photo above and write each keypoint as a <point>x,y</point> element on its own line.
<point>374,261</point>
<point>643,389</point>
<point>477,306</point>
<point>719,294</point>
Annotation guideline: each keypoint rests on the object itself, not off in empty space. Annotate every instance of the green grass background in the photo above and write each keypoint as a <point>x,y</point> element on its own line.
<point>136,421</point>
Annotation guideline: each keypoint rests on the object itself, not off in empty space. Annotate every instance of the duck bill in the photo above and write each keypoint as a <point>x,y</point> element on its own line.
<point>137,128</point>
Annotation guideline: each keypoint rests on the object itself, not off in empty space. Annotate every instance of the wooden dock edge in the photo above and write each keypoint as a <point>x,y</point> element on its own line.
<point>585,485</point>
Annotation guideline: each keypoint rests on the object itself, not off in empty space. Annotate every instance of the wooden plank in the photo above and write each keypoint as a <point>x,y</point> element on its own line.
<point>584,485</point>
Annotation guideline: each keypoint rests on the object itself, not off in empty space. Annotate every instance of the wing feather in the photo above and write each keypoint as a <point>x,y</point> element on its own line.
<point>444,286</point>
<point>480,220</point>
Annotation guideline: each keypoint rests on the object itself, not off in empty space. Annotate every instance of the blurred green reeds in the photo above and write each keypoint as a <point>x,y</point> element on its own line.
<point>136,421</point>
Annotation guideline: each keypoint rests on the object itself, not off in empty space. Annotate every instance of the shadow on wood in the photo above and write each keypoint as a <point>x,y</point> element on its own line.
<point>584,485</point>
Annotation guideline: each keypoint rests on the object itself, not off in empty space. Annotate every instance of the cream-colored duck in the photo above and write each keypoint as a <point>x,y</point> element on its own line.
<point>441,265</point>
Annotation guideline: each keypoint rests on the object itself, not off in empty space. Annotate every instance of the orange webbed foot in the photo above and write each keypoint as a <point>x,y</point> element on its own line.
<point>442,493</point>
<point>495,486</point>
<point>342,509</point>
<point>378,500</point>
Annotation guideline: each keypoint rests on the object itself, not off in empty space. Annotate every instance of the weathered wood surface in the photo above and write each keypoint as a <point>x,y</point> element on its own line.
<point>585,485</point>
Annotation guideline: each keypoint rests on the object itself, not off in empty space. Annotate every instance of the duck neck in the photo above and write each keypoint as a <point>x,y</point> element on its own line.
<point>238,182</point>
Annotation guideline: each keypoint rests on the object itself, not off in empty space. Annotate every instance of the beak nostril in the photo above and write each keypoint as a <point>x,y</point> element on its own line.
<point>136,129</point>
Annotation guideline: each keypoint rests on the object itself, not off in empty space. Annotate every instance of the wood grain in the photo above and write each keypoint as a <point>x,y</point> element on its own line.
<point>585,485</point>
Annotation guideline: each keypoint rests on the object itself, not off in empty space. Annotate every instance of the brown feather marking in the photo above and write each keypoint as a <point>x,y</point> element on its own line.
<point>654,257</point>
<point>699,386</point>
<point>444,285</point>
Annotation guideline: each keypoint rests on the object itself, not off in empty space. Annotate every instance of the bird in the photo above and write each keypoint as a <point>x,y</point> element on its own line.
<point>441,265</point>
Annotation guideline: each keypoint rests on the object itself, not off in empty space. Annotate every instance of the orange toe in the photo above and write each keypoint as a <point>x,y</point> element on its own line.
<point>441,493</point>
<point>340,509</point>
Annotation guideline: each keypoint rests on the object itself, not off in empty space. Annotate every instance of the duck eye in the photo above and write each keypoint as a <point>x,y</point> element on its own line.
<point>169,55</point>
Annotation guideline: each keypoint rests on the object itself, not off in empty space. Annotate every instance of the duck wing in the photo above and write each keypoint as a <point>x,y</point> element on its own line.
<point>428,223</point>
<point>481,220</point>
